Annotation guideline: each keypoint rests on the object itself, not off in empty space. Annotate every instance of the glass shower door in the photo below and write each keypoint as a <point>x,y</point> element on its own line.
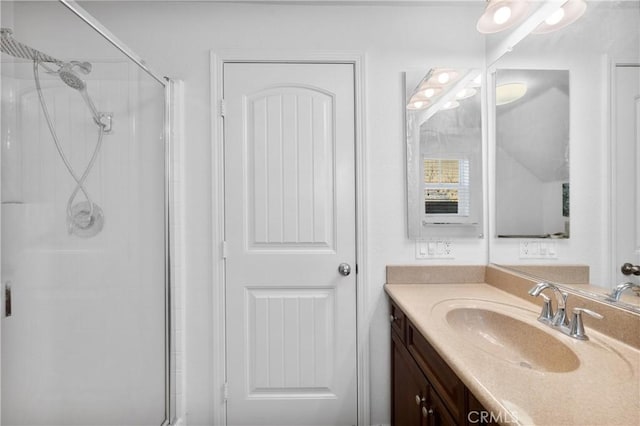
<point>83,227</point>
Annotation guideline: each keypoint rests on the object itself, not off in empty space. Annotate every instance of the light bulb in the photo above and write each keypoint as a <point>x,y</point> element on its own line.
<point>443,78</point>
<point>502,15</point>
<point>429,92</point>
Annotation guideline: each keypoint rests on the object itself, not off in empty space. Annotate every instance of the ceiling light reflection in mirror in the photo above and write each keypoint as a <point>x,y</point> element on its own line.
<point>566,15</point>
<point>510,92</point>
<point>443,89</point>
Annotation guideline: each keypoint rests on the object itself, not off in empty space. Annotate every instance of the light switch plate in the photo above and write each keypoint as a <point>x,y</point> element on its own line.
<point>538,250</point>
<point>434,249</point>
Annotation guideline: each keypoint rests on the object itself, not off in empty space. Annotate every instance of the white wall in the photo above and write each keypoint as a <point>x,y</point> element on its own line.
<point>176,39</point>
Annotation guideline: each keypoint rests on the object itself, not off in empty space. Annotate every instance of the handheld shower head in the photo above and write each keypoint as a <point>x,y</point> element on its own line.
<point>68,75</point>
<point>70,78</point>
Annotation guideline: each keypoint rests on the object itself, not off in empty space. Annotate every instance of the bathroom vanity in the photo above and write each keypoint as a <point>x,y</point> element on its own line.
<point>467,348</point>
<point>425,391</point>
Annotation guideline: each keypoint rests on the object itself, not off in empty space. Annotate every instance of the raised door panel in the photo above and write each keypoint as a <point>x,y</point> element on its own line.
<point>290,163</point>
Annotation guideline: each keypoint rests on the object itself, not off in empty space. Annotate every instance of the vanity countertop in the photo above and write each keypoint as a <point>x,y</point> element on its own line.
<point>603,390</point>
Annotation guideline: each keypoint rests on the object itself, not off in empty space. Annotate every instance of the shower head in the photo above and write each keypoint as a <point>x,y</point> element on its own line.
<point>12,47</point>
<point>70,78</point>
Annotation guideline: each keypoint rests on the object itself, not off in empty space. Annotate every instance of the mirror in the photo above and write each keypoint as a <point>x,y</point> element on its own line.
<point>575,279</point>
<point>532,153</point>
<point>601,51</point>
<point>444,153</point>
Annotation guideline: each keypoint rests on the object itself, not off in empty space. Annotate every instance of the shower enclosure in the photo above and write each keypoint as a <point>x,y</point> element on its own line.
<point>86,295</point>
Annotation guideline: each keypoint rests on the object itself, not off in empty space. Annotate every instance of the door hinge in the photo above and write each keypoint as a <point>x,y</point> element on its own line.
<point>225,391</point>
<point>224,249</point>
<point>222,108</point>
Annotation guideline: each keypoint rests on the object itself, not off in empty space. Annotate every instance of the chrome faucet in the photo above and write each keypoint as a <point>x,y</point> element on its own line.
<point>546,316</point>
<point>575,328</point>
<point>615,294</point>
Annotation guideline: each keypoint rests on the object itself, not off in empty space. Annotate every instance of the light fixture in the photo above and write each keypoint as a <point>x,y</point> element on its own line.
<point>501,14</point>
<point>466,93</point>
<point>564,16</point>
<point>442,77</point>
<point>418,102</point>
<point>429,91</point>
<point>510,92</point>
<point>450,105</point>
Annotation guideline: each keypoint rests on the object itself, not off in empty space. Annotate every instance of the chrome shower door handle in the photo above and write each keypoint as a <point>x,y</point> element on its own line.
<point>7,299</point>
<point>344,269</point>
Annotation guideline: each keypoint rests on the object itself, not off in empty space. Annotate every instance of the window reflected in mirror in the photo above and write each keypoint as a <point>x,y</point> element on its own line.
<point>446,186</point>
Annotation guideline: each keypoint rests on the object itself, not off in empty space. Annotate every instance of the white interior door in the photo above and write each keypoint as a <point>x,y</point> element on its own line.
<point>289,225</point>
<point>627,157</point>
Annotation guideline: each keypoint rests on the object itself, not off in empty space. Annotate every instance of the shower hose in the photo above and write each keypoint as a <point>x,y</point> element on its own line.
<point>86,220</point>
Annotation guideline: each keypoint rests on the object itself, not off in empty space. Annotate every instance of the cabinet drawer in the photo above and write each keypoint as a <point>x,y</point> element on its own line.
<point>445,382</point>
<point>398,321</point>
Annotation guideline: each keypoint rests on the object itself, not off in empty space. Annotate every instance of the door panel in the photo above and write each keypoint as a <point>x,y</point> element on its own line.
<point>290,157</point>
<point>289,223</point>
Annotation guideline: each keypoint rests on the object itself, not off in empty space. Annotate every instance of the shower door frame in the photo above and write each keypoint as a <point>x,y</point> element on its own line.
<point>171,91</point>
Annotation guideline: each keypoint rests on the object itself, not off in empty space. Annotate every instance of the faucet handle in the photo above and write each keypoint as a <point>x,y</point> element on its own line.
<point>577,327</point>
<point>588,312</point>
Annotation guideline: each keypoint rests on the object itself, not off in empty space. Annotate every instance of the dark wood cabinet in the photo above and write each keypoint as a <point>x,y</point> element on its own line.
<point>410,388</point>
<point>424,389</point>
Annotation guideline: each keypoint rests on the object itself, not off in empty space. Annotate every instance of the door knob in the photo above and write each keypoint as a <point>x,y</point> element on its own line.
<point>344,269</point>
<point>628,269</point>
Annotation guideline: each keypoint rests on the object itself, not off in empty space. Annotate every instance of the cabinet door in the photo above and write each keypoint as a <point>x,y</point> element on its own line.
<point>478,415</point>
<point>408,388</point>
<point>438,415</point>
